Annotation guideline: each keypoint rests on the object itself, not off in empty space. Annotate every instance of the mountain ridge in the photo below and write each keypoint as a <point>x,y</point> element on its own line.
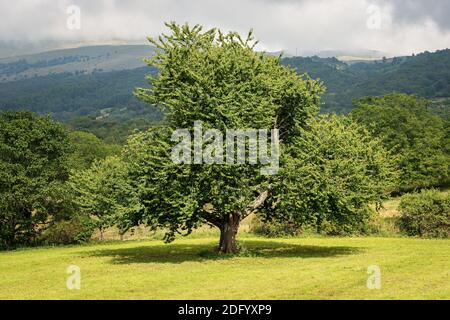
<point>109,82</point>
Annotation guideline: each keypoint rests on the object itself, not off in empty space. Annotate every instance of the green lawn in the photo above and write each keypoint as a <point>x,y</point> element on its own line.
<point>301,268</point>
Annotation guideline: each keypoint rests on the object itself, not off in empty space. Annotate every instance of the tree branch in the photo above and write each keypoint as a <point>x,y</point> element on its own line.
<point>208,213</point>
<point>259,201</point>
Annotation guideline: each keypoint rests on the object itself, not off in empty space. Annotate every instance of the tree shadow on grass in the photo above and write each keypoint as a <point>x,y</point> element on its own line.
<point>177,253</point>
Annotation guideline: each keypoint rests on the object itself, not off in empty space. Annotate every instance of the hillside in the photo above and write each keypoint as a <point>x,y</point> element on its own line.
<point>84,60</point>
<point>66,95</point>
<point>98,82</point>
<point>426,74</point>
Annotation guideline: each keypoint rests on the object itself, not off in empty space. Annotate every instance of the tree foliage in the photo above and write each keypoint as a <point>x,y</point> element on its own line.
<point>218,79</point>
<point>330,174</point>
<point>34,155</point>
<point>103,193</point>
<point>88,148</point>
<point>425,214</point>
<point>410,131</point>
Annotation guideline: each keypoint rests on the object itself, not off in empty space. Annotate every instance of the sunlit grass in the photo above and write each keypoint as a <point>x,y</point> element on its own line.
<point>301,268</point>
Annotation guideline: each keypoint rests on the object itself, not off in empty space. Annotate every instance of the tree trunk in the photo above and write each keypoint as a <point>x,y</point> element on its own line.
<point>228,232</point>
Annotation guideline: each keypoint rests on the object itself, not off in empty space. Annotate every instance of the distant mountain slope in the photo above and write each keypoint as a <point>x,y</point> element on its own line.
<point>104,89</point>
<point>82,60</point>
<point>426,74</point>
<point>66,96</point>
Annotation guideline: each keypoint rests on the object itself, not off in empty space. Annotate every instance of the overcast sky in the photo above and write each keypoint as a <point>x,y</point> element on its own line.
<point>395,27</point>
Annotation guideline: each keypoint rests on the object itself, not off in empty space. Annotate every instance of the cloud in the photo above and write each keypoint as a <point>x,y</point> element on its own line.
<point>416,12</point>
<point>305,25</point>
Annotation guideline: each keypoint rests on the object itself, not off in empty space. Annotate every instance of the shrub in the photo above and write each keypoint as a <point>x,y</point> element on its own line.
<point>72,231</point>
<point>103,191</point>
<point>426,214</point>
<point>274,229</point>
<point>367,226</point>
<point>375,226</point>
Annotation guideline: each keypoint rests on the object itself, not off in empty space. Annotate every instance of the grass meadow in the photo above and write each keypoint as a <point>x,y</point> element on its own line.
<point>290,268</point>
<point>305,267</point>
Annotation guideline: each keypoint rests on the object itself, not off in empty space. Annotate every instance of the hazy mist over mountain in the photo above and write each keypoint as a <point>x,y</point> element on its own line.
<point>305,27</point>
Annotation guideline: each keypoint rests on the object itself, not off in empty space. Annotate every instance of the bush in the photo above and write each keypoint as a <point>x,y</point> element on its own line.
<point>274,229</point>
<point>368,226</point>
<point>375,226</point>
<point>426,214</point>
<point>331,228</point>
<point>76,230</point>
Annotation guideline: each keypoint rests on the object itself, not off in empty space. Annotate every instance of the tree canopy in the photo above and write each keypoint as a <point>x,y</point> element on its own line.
<point>220,80</point>
<point>87,148</point>
<point>34,155</point>
<point>330,174</point>
<point>412,133</point>
<point>103,192</point>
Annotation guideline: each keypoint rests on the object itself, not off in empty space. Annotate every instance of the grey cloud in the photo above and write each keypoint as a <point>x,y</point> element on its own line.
<point>306,25</point>
<point>416,12</point>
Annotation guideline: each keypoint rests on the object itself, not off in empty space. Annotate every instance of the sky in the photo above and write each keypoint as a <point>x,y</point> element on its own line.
<point>395,27</point>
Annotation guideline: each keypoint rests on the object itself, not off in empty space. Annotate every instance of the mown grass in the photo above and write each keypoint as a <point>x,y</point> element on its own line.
<point>296,268</point>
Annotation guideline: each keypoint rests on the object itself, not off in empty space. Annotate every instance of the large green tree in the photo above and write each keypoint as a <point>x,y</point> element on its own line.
<point>34,155</point>
<point>412,133</point>
<point>102,192</point>
<point>330,175</point>
<point>217,80</point>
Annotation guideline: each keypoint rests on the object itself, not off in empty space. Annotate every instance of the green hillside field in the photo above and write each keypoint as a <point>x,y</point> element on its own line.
<point>295,268</point>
